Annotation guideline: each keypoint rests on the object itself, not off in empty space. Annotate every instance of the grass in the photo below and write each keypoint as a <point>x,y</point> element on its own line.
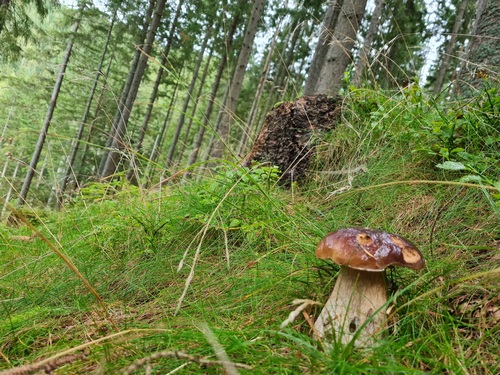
<point>249,246</point>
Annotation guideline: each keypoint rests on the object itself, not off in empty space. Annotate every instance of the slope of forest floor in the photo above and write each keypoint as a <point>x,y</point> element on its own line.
<point>194,267</point>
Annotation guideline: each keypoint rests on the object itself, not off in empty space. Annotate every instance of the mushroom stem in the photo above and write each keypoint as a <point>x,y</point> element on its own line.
<point>356,297</point>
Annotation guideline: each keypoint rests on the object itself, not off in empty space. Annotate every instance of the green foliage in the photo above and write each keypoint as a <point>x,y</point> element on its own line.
<point>18,18</point>
<point>466,138</point>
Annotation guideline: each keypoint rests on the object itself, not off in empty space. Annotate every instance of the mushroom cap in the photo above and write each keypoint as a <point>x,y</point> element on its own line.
<point>369,250</point>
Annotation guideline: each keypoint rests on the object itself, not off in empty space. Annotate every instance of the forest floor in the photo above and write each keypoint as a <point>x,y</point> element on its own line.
<point>198,277</point>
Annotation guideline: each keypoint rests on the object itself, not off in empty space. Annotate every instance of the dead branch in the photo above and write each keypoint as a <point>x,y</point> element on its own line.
<point>179,355</point>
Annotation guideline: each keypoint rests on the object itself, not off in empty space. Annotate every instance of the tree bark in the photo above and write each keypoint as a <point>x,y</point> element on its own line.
<point>187,131</point>
<point>364,55</point>
<point>339,52</point>
<point>180,122</point>
<point>11,188</point>
<point>128,83</point>
<point>258,94</point>
<point>483,54</point>
<point>450,48</point>
<point>286,137</point>
<point>215,87</point>
<point>154,92</point>
<point>48,117</point>
<point>76,141</point>
<point>222,141</point>
<point>119,142</point>
<point>324,40</point>
<point>90,133</point>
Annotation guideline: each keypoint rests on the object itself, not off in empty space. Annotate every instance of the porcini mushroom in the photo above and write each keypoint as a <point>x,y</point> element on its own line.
<point>360,291</point>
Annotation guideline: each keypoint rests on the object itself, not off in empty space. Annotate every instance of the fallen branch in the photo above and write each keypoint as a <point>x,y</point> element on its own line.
<point>47,367</point>
<point>180,355</point>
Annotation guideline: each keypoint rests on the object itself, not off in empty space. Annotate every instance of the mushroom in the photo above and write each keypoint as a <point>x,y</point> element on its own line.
<point>360,292</point>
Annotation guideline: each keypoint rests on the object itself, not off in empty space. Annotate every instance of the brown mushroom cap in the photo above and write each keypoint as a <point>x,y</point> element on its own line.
<point>369,250</point>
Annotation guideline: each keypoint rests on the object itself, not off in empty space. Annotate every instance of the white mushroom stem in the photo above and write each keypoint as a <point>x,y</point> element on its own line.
<point>356,297</point>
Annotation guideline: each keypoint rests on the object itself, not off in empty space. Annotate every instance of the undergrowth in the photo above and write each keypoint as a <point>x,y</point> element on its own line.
<point>233,250</point>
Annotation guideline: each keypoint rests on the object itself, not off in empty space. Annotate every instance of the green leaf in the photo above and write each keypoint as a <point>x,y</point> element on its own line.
<point>472,178</point>
<point>452,166</point>
<point>234,223</point>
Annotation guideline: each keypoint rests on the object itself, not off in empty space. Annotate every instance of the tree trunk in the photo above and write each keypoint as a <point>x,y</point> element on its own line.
<point>325,38</point>
<point>450,48</point>
<point>195,107</point>
<point>339,52</point>
<point>258,94</point>
<point>483,54</point>
<point>364,55</point>
<point>180,122</point>
<point>11,188</point>
<point>229,114</point>
<point>215,87</point>
<point>154,92</point>
<point>76,142</point>
<point>284,69</point>
<point>119,142</point>
<point>128,84</point>
<point>48,117</point>
<point>215,134</point>
<point>164,129</point>
<point>55,191</point>
<point>90,133</point>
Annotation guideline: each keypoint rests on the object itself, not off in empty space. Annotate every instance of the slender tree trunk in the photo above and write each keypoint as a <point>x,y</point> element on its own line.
<point>128,83</point>
<point>163,131</point>
<point>187,131</point>
<point>154,92</point>
<point>2,136</point>
<point>258,94</point>
<point>450,48</point>
<point>215,87</point>
<point>48,117</point>
<point>289,52</point>
<point>41,173</point>
<point>180,122</point>
<point>4,171</point>
<point>160,137</point>
<point>340,49</point>
<point>55,192</point>
<point>364,55</point>
<point>229,114</point>
<point>325,38</point>
<point>76,142</point>
<point>119,142</point>
<point>215,134</point>
<point>11,188</point>
<point>90,133</point>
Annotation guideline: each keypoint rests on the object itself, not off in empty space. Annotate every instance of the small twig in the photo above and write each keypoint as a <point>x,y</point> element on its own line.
<point>47,367</point>
<point>179,355</point>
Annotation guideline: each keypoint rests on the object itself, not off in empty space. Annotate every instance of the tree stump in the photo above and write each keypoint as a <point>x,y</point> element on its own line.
<point>286,138</point>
